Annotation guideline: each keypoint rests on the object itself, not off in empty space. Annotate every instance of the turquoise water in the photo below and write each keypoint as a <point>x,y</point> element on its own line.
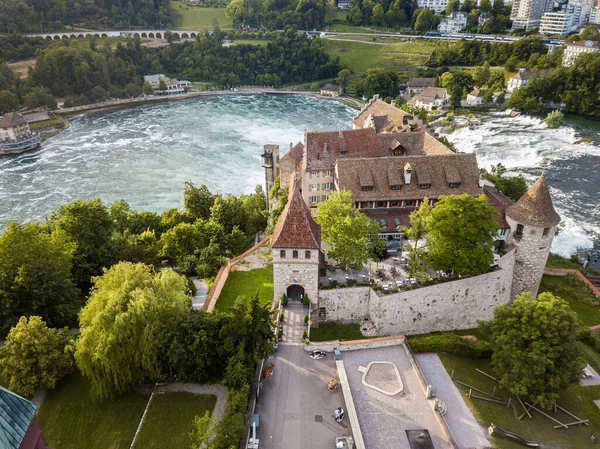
<point>145,154</point>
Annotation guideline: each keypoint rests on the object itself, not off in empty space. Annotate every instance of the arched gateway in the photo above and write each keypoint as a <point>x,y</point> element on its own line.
<point>296,247</point>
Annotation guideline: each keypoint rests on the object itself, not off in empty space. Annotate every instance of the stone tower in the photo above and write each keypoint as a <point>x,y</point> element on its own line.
<point>296,247</point>
<point>533,223</point>
<point>270,158</point>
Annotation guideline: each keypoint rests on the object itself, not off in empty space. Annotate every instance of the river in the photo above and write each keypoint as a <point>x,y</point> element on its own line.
<point>145,154</point>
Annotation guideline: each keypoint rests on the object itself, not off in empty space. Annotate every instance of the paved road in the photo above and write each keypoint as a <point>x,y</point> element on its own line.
<point>467,432</point>
<point>293,323</point>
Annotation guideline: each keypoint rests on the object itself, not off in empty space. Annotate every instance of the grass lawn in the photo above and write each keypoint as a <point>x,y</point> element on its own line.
<point>577,294</point>
<point>576,399</point>
<point>45,123</point>
<point>169,420</point>
<point>359,56</point>
<point>336,331</point>
<point>200,18</point>
<point>247,283</point>
<point>249,42</point>
<point>71,420</point>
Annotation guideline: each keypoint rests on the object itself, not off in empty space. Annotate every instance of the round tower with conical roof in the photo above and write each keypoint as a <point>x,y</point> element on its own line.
<point>533,222</point>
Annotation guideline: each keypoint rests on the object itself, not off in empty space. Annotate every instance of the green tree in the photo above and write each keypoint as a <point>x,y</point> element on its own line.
<point>453,5</point>
<point>197,200</point>
<point>461,234</point>
<point>35,276</point>
<point>488,96</point>
<point>513,187</point>
<point>455,97</point>
<point>348,232</point>
<point>255,206</point>
<point>415,236</point>
<point>133,90</point>
<point>147,88</point>
<point>35,356</point>
<point>89,226</point>
<point>9,102</point>
<point>425,20</point>
<point>229,211</point>
<point>481,74</point>
<point>124,323</point>
<point>343,78</point>
<point>377,15</point>
<point>554,119</point>
<point>162,86</point>
<point>378,81</point>
<point>590,33</point>
<point>535,352</point>
<point>485,5</point>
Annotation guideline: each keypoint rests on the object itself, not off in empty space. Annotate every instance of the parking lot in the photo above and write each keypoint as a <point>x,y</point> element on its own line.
<point>295,407</point>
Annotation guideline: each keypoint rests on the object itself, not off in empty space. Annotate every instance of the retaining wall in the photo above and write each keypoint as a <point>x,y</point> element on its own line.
<point>566,271</point>
<point>458,304</point>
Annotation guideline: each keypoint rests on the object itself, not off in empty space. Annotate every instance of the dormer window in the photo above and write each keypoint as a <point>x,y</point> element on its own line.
<point>396,187</point>
<point>453,184</point>
<point>366,188</point>
<point>424,186</point>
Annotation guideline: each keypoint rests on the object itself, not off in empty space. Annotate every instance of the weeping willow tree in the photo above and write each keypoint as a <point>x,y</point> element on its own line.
<point>125,324</point>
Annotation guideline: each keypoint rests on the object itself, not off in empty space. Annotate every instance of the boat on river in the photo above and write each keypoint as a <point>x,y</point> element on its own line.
<point>16,136</point>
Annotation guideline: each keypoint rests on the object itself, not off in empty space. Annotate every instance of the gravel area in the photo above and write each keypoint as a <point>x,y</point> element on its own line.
<point>589,381</point>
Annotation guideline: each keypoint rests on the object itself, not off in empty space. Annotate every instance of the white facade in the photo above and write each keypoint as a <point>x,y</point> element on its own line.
<point>453,23</point>
<point>296,267</point>
<point>174,86</point>
<point>18,132</point>
<point>528,13</point>
<point>475,98</point>
<point>574,49</point>
<point>344,4</point>
<point>595,15</point>
<point>569,20</point>
<point>437,5</point>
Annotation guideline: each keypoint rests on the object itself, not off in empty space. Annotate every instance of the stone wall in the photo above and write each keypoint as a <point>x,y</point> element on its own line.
<point>301,271</point>
<point>451,305</point>
<point>531,254</point>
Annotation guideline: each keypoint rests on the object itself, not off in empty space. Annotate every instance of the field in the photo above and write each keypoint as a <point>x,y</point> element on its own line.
<point>200,18</point>
<point>361,56</point>
<point>336,331</point>
<point>580,298</point>
<point>247,283</point>
<point>161,430</point>
<point>72,420</point>
<point>576,399</point>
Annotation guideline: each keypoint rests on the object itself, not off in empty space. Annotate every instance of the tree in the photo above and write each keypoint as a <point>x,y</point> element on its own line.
<point>415,234</point>
<point>481,74</point>
<point>89,226</point>
<point>590,33</point>
<point>488,96</point>
<point>124,325</point>
<point>485,6</point>
<point>461,233</point>
<point>554,119</point>
<point>147,88</point>
<point>453,5</point>
<point>513,187</point>
<point>455,97</point>
<point>162,86</point>
<point>378,81</point>
<point>9,102</point>
<point>535,352</point>
<point>343,78</point>
<point>35,356</point>
<point>35,276</point>
<point>377,16</point>
<point>425,20</point>
<point>229,212</point>
<point>197,200</point>
<point>355,16</point>
<point>133,90</point>
<point>348,232</point>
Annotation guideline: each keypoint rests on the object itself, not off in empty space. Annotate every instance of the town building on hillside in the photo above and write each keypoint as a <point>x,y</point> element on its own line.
<point>453,23</point>
<point>595,15</point>
<point>533,223</point>
<point>417,85</point>
<point>437,5</point>
<point>568,20</point>
<point>528,13</point>
<point>296,248</point>
<point>431,98</point>
<point>19,425</point>
<point>389,189</point>
<point>383,118</point>
<point>483,18</point>
<point>475,98</point>
<point>331,90</point>
<point>344,4</point>
<point>574,49</point>
<point>174,86</point>
<point>15,134</point>
<point>521,78</point>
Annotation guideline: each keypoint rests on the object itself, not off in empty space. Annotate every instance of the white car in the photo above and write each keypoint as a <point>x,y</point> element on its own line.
<point>413,281</point>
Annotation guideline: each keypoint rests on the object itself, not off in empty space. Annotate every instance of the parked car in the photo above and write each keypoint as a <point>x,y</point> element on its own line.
<point>413,281</point>
<point>318,355</point>
<point>386,287</point>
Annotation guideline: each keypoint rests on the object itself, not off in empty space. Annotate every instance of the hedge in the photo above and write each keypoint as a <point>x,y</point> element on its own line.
<point>450,343</point>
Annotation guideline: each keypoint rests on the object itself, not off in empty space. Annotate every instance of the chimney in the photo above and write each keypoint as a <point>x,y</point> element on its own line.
<point>407,173</point>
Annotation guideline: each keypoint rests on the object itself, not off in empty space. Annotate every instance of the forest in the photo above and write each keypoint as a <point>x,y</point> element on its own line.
<point>40,16</point>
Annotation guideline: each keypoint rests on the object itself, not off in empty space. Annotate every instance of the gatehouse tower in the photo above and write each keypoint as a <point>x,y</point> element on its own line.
<point>533,223</point>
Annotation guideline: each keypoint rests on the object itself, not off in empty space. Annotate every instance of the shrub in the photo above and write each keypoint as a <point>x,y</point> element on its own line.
<point>306,300</point>
<point>280,333</point>
<point>450,343</point>
<point>584,333</point>
<point>306,318</point>
<point>284,300</point>
<point>281,316</point>
<point>304,335</point>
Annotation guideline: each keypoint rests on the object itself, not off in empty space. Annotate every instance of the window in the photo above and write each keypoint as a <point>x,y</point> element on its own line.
<point>313,199</point>
<point>310,187</point>
<point>366,188</point>
<point>324,197</point>
<point>310,174</point>
<point>294,254</point>
<point>282,253</point>
<point>329,173</point>
<point>307,254</point>
<point>394,203</point>
<point>327,186</point>
<point>318,186</point>
<point>453,184</point>
<point>318,174</point>
<point>502,231</point>
<point>545,232</point>
<point>519,231</point>
<point>380,203</point>
<point>396,187</point>
<point>424,186</point>
<point>408,203</point>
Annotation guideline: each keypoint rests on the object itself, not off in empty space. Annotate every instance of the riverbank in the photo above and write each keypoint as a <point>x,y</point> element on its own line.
<point>129,102</point>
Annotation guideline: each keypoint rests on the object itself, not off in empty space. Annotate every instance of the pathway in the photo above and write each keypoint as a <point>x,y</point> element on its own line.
<point>201,292</point>
<point>293,324</point>
<point>215,389</point>
<point>465,429</point>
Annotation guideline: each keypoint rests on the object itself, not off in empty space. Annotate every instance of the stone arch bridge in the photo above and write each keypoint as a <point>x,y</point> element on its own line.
<point>143,34</point>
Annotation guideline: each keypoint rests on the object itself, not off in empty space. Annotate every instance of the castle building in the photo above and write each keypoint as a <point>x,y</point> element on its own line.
<point>383,117</point>
<point>19,425</point>
<point>270,163</point>
<point>296,248</point>
<point>533,222</point>
<point>15,134</point>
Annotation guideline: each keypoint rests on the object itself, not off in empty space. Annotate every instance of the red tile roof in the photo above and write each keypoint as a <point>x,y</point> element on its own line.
<point>296,227</point>
<point>500,202</point>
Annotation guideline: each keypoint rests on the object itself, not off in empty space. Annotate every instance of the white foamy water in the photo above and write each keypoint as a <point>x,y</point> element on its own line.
<point>524,145</point>
<point>145,154</point>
